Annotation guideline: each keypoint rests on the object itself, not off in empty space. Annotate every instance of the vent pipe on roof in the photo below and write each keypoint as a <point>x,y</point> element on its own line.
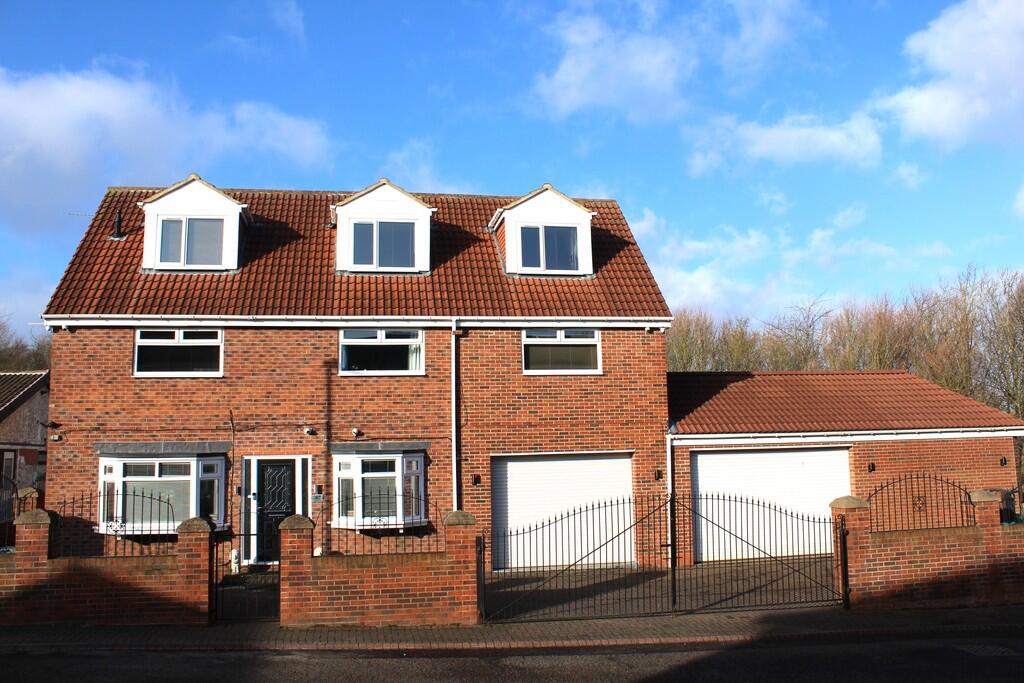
<point>117,234</point>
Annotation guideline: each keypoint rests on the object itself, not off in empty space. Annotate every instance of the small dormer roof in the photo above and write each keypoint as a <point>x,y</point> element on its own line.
<point>376,186</point>
<point>546,187</point>
<point>192,178</point>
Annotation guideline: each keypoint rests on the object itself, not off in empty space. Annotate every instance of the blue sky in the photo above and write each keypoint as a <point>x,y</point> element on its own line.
<point>766,152</point>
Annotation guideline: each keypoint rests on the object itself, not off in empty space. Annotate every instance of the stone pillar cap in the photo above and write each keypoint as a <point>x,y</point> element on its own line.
<point>37,516</point>
<point>459,518</point>
<point>296,522</point>
<point>195,525</point>
<point>987,495</point>
<point>849,503</point>
<point>27,491</point>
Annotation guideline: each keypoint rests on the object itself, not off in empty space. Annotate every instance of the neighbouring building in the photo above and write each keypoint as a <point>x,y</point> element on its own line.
<point>24,401</point>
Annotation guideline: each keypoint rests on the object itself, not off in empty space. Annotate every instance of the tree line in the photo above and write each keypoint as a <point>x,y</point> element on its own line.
<point>17,353</point>
<point>967,335</point>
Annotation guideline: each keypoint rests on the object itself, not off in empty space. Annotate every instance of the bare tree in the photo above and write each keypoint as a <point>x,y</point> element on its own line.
<point>17,353</point>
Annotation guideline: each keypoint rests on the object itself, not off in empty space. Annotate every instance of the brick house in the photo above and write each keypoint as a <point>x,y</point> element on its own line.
<point>24,399</point>
<point>365,359</point>
<point>362,363</point>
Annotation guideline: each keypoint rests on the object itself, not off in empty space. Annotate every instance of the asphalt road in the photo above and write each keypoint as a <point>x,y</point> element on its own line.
<point>996,659</point>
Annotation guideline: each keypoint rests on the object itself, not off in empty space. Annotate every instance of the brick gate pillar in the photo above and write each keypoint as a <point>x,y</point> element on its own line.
<point>296,568</point>
<point>195,568</point>
<point>460,546</point>
<point>988,506</point>
<point>850,515</point>
<point>28,499</point>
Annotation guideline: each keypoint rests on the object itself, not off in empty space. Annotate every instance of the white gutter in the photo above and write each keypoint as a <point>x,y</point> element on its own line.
<point>455,419</point>
<point>127,320</point>
<point>765,438</point>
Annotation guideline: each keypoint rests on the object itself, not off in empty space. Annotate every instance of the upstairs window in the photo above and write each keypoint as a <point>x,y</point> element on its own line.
<point>381,352</point>
<point>191,242</point>
<point>383,244</point>
<point>548,351</point>
<point>549,247</point>
<point>179,353</point>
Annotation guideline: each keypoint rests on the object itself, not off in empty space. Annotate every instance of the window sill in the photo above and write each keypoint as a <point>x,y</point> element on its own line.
<point>381,373</point>
<point>149,530</point>
<point>391,525</point>
<point>555,373</point>
<point>173,375</point>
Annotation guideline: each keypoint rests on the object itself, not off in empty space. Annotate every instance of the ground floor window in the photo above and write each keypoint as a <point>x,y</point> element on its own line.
<point>379,490</point>
<point>141,495</point>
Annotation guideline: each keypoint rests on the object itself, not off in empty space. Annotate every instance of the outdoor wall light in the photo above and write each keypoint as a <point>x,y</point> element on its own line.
<point>57,437</point>
<point>476,480</point>
<point>1002,461</point>
<point>657,475</point>
<point>309,431</point>
<point>871,467</point>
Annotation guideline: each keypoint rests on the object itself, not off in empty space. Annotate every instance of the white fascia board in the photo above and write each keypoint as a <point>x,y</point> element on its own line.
<point>775,438</point>
<point>57,321</point>
<point>623,451</point>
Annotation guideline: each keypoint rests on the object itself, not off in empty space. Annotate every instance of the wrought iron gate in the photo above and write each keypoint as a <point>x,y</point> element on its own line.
<point>246,581</point>
<point>660,554</point>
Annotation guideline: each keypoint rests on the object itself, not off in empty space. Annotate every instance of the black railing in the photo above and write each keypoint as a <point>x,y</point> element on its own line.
<point>1012,511</point>
<point>105,524</point>
<point>380,523</point>
<point>920,501</point>
<point>635,556</point>
<point>10,507</point>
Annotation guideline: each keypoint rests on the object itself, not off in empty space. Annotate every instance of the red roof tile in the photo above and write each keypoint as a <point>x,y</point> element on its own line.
<point>744,402</point>
<point>288,268</point>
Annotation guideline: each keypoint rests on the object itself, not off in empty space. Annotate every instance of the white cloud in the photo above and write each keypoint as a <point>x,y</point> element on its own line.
<point>65,135</point>
<point>849,217</point>
<point>649,223</point>
<point>910,175</point>
<point>804,138</point>
<point>764,27</point>
<point>633,72</point>
<point>703,162</point>
<point>1018,202</point>
<point>972,54</point>
<point>775,201</point>
<point>412,166</point>
<point>288,17</point>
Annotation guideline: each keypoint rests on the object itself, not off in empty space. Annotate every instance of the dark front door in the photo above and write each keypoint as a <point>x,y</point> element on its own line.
<point>275,500</point>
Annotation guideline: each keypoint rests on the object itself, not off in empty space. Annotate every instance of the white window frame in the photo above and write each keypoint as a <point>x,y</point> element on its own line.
<point>382,340</point>
<point>178,340</point>
<point>180,263</point>
<point>111,470</point>
<point>557,340</point>
<point>374,268</point>
<point>355,472</point>
<point>543,250</point>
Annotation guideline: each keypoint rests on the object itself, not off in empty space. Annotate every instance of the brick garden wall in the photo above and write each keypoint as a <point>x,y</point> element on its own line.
<point>397,589</point>
<point>167,589</point>
<point>965,566</point>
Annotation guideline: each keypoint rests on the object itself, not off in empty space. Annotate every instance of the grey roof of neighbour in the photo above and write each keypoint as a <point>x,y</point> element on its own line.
<point>15,387</point>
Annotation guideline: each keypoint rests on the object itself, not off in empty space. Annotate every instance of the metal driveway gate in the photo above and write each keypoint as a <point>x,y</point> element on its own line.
<point>615,558</point>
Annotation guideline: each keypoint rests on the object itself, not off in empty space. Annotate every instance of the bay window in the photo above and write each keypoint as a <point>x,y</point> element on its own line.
<point>140,496</point>
<point>379,491</point>
<point>550,351</point>
<point>381,352</point>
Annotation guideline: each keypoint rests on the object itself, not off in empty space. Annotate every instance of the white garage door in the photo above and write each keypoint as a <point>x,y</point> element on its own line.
<point>554,511</point>
<point>794,483</point>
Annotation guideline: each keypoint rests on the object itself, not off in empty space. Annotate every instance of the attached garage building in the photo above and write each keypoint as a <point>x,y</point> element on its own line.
<point>801,439</point>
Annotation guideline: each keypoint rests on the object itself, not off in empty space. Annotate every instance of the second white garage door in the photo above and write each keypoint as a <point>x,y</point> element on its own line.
<point>540,491</point>
<point>798,482</point>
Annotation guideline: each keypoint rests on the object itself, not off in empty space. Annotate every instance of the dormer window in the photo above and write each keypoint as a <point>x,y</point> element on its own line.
<point>383,228</point>
<point>544,233</point>
<point>384,244</point>
<point>191,241</point>
<point>549,247</point>
<point>192,225</point>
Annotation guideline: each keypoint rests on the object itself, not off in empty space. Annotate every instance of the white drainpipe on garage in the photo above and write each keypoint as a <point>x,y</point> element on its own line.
<point>670,478</point>
<point>455,418</point>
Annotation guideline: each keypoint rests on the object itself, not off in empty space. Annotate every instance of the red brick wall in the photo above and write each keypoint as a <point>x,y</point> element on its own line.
<point>169,589</point>
<point>278,380</point>
<point>968,566</point>
<point>428,588</point>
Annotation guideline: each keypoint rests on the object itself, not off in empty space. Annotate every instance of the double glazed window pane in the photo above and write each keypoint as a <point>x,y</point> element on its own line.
<point>560,357</point>
<point>156,502</point>
<point>209,498</point>
<point>395,245</point>
<point>183,358</point>
<point>530,237</point>
<point>205,242</point>
<point>170,241</point>
<point>560,247</point>
<point>380,499</point>
<point>362,244</point>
